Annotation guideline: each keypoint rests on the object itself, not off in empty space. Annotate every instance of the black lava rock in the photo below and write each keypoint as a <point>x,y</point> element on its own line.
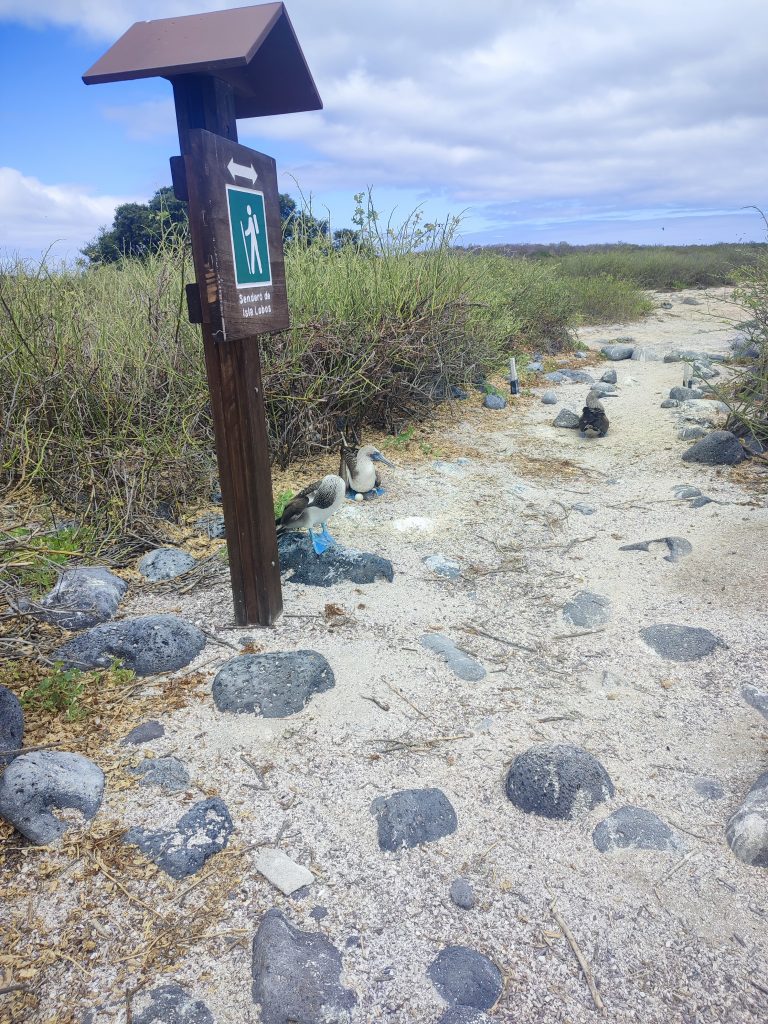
<point>494,402</point>
<point>557,781</point>
<point>212,526</point>
<point>203,831</point>
<point>634,828</point>
<point>720,448</point>
<point>462,894</point>
<point>168,773</point>
<point>680,643</point>
<point>413,816</point>
<point>464,977</point>
<point>271,685</point>
<point>685,394</point>
<point>11,724</point>
<point>335,565</point>
<point>460,393</point>
<point>587,610</point>
<point>170,1004</point>
<point>165,564</point>
<point>296,975</point>
<point>144,733</point>
<point>148,644</point>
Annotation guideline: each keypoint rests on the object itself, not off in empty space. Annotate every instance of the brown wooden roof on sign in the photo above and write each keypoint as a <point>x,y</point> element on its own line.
<point>254,49</point>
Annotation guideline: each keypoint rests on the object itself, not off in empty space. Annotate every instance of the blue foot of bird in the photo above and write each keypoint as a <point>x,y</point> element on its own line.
<point>352,495</point>
<point>321,541</point>
<point>371,495</point>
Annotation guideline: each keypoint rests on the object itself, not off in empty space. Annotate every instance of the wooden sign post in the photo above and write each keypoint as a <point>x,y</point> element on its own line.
<point>240,63</point>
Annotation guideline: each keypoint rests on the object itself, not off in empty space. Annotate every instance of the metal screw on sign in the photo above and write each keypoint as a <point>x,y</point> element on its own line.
<point>225,65</point>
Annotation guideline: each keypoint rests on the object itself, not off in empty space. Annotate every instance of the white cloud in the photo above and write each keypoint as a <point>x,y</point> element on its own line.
<point>35,215</point>
<point>591,104</point>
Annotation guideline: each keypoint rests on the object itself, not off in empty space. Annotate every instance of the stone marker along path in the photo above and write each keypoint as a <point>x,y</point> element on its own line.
<point>525,710</point>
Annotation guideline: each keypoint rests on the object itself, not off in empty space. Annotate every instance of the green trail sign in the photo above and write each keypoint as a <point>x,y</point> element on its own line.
<point>248,231</point>
<point>237,237</point>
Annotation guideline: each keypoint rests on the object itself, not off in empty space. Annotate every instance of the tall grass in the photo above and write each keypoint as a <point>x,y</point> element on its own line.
<point>103,397</point>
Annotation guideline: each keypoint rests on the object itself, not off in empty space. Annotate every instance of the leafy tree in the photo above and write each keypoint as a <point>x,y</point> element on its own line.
<point>346,236</point>
<point>138,228</point>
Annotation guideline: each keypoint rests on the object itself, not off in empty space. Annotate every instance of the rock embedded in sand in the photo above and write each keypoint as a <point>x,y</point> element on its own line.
<point>168,773</point>
<point>11,724</point>
<point>566,418</point>
<point>634,828</point>
<point>584,509</point>
<point>618,352</point>
<point>670,403</point>
<point>36,785</point>
<point>144,733</point>
<point>271,685</point>
<point>747,831</point>
<point>284,873</point>
<point>336,565</point>
<point>587,610</point>
<point>464,977</point>
<point>494,402</point>
<point>680,643</point>
<point>549,398</point>
<point>677,547</point>
<point>461,664</point>
<point>557,780</point>
<point>199,834</point>
<point>462,894</point>
<point>411,817</point>
<point>710,789</point>
<point>610,376</point>
<point>147,645</point>
<point>686,491</point>
<point>464,1015</point>
<point>442,566</point>
<point>570,377</point>
<point>83,597</point>
<point>720,448</point>
<point>296,975</point>
<point>681,394</point>
<point>169,1004</point>
<point>756,698</point>
<point>165,564</point>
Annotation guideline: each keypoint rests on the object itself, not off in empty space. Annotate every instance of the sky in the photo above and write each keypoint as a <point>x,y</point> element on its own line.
<point>536,120</point>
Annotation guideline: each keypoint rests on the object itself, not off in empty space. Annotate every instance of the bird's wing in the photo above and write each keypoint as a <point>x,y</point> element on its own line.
<point>295,507</point>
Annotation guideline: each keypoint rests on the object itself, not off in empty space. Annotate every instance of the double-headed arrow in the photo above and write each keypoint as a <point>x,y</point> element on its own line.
<point>238,171</point>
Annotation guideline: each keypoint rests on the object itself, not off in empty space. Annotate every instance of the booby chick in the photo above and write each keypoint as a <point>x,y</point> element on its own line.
<point>358,471</point>
<point>593,421</point>
<point>312,507</point>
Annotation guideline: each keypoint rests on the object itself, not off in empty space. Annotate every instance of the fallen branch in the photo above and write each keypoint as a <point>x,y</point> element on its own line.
<point>583,632</point>
<point>577,952</point>
<point>499,639</point>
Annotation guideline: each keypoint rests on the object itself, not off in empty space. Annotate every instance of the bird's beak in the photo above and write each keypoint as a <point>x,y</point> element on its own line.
<point>378,457</point>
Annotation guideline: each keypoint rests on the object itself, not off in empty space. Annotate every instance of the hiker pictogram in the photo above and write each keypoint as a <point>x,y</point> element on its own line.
<point>248,231</point>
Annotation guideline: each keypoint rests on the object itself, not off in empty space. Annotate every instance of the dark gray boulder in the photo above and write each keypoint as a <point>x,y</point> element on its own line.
<point>36,785</point>
<point>168,773</point>
<point>494,402</point>
<point>464,1015</point>
<point>464,977</point>
<point>199,834</point>
<point>747,831</point>
<point>670,403</point>
<point>297,975</point>
<point>549,398</point>
<point>756,698</point>
<point>442,566</point>
<point>11,724</point>
<point>634,828</point>
<point>336,565</point>
<point>680,643</point>
<point>570,377</point>
<point>412,817</point>
<point>169,1004</point>
<point>165,564</point>
<point>557,780</point>
<point>83,597</point>
<point>720,448</point>
<point>677,547</point>
<point>148,644</point>
<point>144,733</point>
<point>609,376</point>
<point>680,394</point>
<point>462,894</point>
<point>689,355</point>
<point>617,352</point>
<point>587,610</point>
<point>271,685</point>
<point>566,418</point>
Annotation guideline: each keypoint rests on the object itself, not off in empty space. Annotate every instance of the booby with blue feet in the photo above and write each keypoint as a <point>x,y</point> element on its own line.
<point>358,470</point>
<point>313,507</point>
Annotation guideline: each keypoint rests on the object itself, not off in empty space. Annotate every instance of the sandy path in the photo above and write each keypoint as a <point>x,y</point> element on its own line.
<point>664,947</point>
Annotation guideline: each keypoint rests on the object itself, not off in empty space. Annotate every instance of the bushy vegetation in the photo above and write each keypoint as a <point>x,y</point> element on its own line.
<point>103,397</point>
<point>660,267</point>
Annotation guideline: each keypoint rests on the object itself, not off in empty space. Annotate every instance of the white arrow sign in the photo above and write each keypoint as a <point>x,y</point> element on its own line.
<point>238,171</point>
